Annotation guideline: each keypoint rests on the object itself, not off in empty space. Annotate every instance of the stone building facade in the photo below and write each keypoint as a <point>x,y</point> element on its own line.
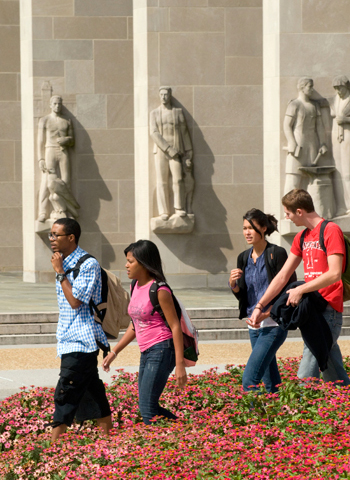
<point>232,65</point>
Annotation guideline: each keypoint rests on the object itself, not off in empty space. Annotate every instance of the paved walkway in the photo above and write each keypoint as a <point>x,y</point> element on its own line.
<point>17,296</point>
<point>38,365</point>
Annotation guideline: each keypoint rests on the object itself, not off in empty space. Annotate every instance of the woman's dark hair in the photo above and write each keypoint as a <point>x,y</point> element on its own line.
<point>147,254</point>
<point>262,219</point>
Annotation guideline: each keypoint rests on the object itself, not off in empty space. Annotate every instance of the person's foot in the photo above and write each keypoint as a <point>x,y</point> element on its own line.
<point>41,217</point>
<point>164,217</point>
<point>180,213</point>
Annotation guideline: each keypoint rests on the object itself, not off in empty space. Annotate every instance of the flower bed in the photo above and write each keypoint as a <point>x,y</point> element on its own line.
<point>223,433</point>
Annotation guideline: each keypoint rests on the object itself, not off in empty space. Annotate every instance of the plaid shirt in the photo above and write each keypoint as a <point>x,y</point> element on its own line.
<point>77,329</point>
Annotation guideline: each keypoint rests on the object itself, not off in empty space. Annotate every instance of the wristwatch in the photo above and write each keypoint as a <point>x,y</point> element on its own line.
<point>60,277</point>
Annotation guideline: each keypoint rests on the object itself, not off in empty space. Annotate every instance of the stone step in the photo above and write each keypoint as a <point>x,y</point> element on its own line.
<point>204,335</point>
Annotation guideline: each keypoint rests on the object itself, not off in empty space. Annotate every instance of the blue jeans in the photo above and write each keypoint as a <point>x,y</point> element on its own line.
<point>335,369</point>
<point>262,363</point>
<point>156,364</point>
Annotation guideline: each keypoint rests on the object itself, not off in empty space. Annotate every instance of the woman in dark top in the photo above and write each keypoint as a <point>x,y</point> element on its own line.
<point>256,267</point>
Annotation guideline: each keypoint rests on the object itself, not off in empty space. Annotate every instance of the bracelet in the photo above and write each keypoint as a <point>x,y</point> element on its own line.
<point>259,308</point>
<point>259,303</point>
<point>115,355</point>
<point>232,287</point>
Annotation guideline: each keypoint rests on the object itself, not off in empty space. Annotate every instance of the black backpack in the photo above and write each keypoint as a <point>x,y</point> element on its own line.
<point>189,331</point>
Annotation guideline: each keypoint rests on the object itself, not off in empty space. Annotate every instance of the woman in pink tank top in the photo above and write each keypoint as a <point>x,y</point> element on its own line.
<point>161,345</point>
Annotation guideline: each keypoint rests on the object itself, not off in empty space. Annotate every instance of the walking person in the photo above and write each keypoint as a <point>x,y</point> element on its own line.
<point>322,272</point>
<point>161,345</point>
<point>79,393</point>
<point>256,267</point>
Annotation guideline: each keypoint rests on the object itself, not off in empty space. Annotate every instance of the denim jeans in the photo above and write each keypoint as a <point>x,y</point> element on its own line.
<point>335,369</point>
<point>262,364</point>
<point>156,364</point>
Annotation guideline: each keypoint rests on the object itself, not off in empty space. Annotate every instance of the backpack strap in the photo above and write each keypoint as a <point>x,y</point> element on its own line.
<point>132,286</point>
<point>153,296</point>
<point>322,229</point>
<point>271,259</point>
<point>302,237</point>
<point>76,268</point>
<point>321,237</point>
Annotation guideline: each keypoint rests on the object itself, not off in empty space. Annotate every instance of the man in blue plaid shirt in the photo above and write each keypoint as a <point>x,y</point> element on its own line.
<point>79,393</point>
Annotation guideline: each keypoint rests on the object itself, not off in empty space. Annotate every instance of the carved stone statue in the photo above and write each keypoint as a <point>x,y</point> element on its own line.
<point>173,154</point>
<point>340,111</point>
<point>304,130</point>
<point>55,136</point>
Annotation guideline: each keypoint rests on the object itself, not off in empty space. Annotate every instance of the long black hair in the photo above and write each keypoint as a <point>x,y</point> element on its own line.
<point>262,219</point>
<point>147,254</point>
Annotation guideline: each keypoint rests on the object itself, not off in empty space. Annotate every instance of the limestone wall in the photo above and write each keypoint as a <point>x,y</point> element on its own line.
<point>10,138</point>
<point>210,53</point>
<point>83,51</point>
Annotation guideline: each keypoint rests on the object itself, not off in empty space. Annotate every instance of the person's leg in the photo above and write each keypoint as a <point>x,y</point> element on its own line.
<point>265,345</point>
<point>308,366</point>
<point>105,424</point>
<point>178,184</point>
<point>159,361</point>
<point>57,431</point>
<point>335,367</point>
<point>162,179</point>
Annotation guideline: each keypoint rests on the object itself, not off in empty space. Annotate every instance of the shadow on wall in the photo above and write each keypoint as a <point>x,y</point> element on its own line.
<point>202,249</point>
<point>89,189</point>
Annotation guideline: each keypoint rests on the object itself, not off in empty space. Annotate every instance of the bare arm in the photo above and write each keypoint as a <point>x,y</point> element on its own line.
<point>333,275</point>
<point>41,143</point>
<point>167,305</point>
<point>127,338</point>
<point>57,264</point>
<point>288,131</point>
<point>276,286</point>
<point>321,135</point>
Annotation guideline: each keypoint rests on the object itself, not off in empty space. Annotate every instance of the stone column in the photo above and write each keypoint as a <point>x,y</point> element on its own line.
<point>144,50</point>
<point>30,240</point>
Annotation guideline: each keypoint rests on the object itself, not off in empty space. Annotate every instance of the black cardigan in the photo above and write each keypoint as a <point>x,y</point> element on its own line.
<point>275,257</point>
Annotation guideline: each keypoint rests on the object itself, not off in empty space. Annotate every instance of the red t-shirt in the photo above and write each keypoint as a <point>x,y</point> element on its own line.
<point>315,260</point>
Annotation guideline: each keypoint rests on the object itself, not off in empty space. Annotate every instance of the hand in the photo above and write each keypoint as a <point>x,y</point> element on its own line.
<point>292,145</point>
<point>42,165</point>
<point>172,152</point>
<point>181,375</point>
<point>255,319</point>
<point>107,361</point>
<point>57,262</point>
<point>188,164</point>
<point>294,297</point>
<point>340,119</point>
<point>236,273</point>
<point>323,150</point>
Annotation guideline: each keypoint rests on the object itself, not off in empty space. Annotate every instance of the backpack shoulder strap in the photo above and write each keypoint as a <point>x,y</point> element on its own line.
<point>302,238</point>
<point>321,239</point>
<point>133,283</point>
<point>153,296</point>
<point>272,258</point>
<point>76,268</point>
<point>245,257</point>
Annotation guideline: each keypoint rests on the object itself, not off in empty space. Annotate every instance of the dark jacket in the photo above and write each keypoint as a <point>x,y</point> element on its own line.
<point>307,316</point>
<point>275,258</point>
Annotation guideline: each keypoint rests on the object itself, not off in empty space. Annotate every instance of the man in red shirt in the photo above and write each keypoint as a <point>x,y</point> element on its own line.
<point>322,273</point>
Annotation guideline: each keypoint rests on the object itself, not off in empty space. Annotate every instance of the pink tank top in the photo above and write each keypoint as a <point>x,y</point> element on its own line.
<point>149,329</point>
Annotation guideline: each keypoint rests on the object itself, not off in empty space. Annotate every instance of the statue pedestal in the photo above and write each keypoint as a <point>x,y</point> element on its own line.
<point>321,189</point>
<point>174,224</point>
<point>43,227</point>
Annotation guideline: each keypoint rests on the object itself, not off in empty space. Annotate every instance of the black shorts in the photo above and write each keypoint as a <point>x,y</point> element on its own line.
<point>80,392</point>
